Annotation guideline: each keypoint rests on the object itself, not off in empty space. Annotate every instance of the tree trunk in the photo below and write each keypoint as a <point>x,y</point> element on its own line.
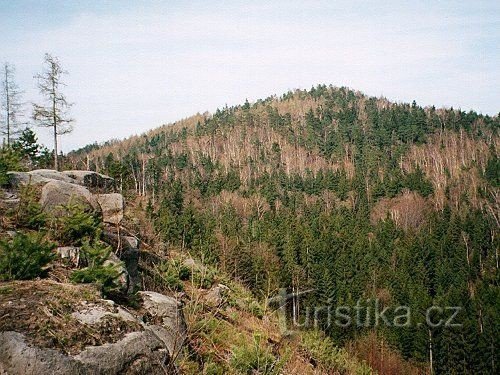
<point>56,161</point>
<point>7,105</point>
<point>54,122</point>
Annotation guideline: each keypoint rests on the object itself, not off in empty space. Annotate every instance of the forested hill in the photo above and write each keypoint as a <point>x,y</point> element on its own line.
<point>352,196</point>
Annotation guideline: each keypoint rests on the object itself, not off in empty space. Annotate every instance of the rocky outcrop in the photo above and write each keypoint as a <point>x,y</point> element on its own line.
<point>69,254</point>
<point>8,201</point>
<point>91,189</point>
<point>93,314</point>
<point>92,180</point>
<point>165,319</point>
<point>151,335</point>
<point>123,279</point>
<point>112,207</point>
<point>137,353</point>
<point>59,193</point>
<point>96,182</point>
<point>216,296</point>
<point>128,250</point>
<point>162,316</point>
<point>130,257</point>
<point>141,341</point>
<point>17,357</point>
<point>36,177</point>
<point>121,241</point>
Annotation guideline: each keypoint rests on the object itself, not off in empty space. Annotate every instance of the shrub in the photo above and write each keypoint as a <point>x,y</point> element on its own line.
<point>172,281</point>
<point>104,276</point>
<point>184,272</point>
<point>256,309</point>
<point>170,275</point>
<point>4,179</point>
<point>29,214</point>
<point>203,277</point>
<point>95,255</point>
<point>24,257</point>
<point>255,358</point>
<point>330,357</point>
<point>9,161</point>
<point>75,225</point>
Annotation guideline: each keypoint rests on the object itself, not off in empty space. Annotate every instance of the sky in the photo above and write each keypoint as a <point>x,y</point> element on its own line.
<point>135,65</point>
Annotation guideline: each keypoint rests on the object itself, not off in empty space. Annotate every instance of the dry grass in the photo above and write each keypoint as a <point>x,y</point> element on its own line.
<point>215,334</point>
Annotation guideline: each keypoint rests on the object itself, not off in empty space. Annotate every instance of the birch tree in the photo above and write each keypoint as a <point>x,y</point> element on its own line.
<point>54,113</point>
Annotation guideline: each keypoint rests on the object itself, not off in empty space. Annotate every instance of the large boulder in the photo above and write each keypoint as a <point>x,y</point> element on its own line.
<point>216,296</point>
<point>128,251</point>
<point>123,279</point>
<point>92,180</point>
<point>61,188</point>
<point>92,314</point>
<point>130,256</point>
<point>137,353</point>
<point>96,336</point>
<point>69,254</point>
<point>8,201</point>
<point>120,241</point>
<point>36,177</point>
<point>59,193</point>
<point>166,319</point>
<point>112,207</point>
<point>17,357</point>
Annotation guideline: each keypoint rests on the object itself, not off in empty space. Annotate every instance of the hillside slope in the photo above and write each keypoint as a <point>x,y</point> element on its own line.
<point>86,288</point>
<point>355,199</point>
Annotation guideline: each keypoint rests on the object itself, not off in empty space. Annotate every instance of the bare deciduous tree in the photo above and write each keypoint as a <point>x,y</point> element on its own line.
<point>11,104</point>
<point>55,113</point>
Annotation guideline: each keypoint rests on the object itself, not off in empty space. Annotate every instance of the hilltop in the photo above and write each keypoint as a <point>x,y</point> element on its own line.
<point>335,199</point>
<point>352,196</point>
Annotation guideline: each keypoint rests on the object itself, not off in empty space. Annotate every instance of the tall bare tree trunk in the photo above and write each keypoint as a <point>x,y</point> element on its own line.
<point>54,119</point>
<point>7,109</point>
<point>56,161</point>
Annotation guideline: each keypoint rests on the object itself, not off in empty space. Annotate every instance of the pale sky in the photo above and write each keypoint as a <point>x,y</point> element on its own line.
<point>136,65</point>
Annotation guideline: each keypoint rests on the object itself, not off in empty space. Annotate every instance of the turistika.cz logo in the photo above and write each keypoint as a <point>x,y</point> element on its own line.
<point>364,313</point>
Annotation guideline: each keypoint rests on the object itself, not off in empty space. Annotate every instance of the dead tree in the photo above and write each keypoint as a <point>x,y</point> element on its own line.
<point>54,114</point>
<point>11,105</point>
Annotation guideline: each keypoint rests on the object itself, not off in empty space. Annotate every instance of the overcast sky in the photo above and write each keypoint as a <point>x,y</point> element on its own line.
<point>136,65</point>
